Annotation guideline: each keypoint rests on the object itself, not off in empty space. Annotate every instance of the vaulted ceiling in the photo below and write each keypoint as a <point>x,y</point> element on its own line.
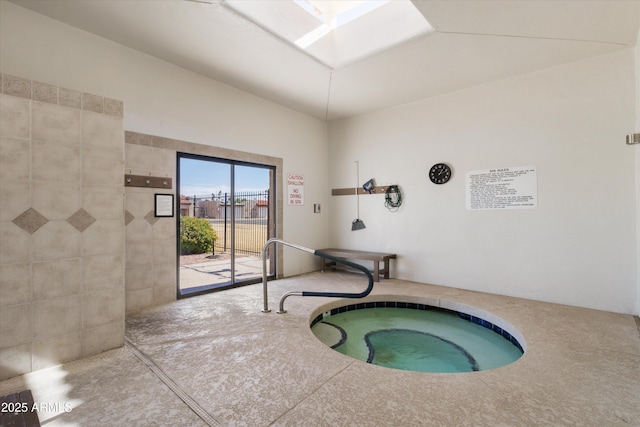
<point>474,42</point>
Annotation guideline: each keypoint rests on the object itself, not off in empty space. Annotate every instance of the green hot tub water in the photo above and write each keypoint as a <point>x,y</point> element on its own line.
<point>433,340</point>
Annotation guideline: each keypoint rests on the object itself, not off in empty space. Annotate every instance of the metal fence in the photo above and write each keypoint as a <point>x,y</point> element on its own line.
<point>251,211</point>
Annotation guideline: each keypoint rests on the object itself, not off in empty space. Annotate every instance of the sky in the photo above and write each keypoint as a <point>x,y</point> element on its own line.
<point>199,177</point>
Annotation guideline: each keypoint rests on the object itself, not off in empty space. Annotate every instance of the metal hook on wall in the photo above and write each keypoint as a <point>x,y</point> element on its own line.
<point>633,138</point>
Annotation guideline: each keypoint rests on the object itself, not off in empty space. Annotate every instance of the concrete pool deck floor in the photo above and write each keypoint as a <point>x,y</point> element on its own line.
<point>235,365</point>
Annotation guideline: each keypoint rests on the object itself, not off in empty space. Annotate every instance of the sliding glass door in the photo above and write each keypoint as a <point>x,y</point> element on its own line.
<point>227,212</point>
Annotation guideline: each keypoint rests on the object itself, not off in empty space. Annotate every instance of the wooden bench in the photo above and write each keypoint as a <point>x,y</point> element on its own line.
<point>376,257</point>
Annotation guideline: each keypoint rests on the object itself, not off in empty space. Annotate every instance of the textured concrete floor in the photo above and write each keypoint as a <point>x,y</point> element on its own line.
<point>218,360</point>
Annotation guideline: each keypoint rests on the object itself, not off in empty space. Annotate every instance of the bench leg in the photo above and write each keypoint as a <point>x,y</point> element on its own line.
<point>328,264</point>
<point>386,268</point>
<point>325,265</point>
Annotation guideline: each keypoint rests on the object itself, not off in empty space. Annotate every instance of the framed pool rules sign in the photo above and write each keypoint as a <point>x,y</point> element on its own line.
<point>502,188</point>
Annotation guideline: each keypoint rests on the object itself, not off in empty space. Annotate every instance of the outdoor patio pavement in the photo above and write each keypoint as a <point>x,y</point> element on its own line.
<point>216,273</point>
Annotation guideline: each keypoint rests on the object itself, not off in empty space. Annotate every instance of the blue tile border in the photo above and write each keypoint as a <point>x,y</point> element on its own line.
<point>413,306</point>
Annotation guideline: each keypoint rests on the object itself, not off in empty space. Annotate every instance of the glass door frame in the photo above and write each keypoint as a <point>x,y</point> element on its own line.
<point>273,230</point>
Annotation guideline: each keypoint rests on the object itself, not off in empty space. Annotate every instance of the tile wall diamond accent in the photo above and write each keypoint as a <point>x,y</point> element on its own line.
<point>30,220</point>
<point>151,217</point>
<point>81,220</point>
<point>128,217</point>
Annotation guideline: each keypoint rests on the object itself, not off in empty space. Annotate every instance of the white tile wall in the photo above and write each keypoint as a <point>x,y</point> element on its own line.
<point>62,266</point>
<point>150,262</point>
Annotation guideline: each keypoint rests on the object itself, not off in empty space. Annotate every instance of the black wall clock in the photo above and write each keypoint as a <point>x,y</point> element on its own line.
<point>440,173</point>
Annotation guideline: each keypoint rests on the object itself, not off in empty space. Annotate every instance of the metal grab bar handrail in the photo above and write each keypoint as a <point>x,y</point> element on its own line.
<point>362,294</point>
<point>264,266</point>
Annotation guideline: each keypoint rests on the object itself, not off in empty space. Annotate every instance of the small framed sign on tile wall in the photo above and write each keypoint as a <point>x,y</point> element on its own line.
<point>164,205</point>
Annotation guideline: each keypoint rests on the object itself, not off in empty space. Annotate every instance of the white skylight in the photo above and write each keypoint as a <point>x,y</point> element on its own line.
<point>333,14</point>
<point>337,32</point>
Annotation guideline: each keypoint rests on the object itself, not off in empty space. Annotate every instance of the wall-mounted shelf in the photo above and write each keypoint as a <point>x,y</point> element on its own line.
<point>379,189</point>
<point>147,181</point>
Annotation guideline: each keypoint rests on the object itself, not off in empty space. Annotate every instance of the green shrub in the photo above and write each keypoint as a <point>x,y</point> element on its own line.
<point>197,236</point>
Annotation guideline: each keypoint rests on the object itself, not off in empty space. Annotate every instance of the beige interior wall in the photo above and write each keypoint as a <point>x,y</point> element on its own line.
<point>61,225</point>
<point>578,247</point>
